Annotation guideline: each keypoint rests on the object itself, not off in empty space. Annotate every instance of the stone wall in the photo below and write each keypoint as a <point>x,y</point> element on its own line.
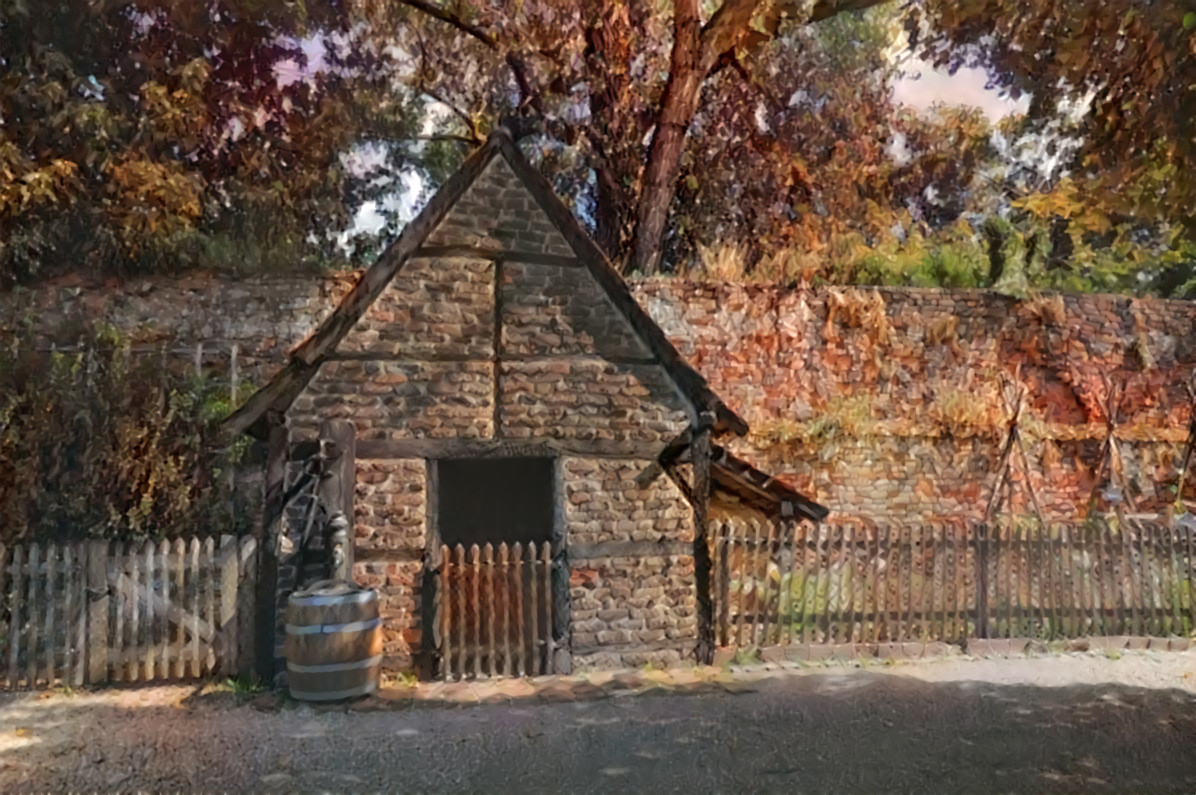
<point>883,403</point>
<point>878,403</point>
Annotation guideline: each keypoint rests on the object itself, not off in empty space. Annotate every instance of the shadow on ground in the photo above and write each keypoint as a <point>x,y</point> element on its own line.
<point>851,731</point>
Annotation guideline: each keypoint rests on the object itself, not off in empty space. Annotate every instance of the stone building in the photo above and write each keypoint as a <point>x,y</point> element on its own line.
<point>504,386</point>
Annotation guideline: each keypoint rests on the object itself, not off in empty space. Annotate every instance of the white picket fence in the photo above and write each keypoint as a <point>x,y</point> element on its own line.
<point>98,611</point>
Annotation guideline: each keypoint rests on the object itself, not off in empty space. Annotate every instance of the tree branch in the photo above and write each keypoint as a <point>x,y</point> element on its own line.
<point>435,11</point>
<point>465,117</point>
<point>510,57</point>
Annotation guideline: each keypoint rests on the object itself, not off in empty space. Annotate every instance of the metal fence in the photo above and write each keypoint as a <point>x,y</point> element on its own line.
<point>789,583</point>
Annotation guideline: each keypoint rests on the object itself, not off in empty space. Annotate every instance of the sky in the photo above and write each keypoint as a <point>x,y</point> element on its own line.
<point>924,86</point>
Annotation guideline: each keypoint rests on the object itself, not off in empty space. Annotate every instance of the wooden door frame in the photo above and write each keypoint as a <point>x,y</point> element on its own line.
<point>427,658</point>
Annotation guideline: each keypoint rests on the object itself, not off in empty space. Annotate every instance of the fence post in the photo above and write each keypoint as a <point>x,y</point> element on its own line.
<point>97,612</point>
<point>228,567</point>
<point>273,504</point>
<point>247,607</point>
<point>981,545</point>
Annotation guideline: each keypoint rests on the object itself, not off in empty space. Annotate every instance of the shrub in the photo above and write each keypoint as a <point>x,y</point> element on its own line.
<point>102,442</point>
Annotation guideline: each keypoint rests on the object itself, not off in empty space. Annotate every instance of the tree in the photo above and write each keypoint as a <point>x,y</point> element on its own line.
<point>641,72</point>
<point>1113,82</point>
<point>166,134</point>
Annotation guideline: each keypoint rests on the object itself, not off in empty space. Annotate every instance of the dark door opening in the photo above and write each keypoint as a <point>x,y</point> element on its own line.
<point>494,500</point>
<point>497,582</point>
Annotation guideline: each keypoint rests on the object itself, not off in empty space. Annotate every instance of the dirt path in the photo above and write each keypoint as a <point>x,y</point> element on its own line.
<point>1070,723</point>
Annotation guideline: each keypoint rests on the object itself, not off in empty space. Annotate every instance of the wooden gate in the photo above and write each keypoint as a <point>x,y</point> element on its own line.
<point>493,614</point>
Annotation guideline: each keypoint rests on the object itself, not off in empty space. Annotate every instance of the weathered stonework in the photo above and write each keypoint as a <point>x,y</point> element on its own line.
<point>604,504</point>
<point>493,347</point>
<point>390,508</point>
<point>627,611</point>
<point>881,404</point>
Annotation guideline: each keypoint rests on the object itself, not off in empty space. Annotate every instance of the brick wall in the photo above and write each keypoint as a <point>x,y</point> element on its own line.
<point>463,347</point>
<point>878,403</point>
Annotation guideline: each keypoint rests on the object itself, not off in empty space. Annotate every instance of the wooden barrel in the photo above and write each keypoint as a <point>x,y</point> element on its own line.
<point>334,642</point>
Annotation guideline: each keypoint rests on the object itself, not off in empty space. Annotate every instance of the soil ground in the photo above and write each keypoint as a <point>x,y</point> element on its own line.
<point>1075,722</point>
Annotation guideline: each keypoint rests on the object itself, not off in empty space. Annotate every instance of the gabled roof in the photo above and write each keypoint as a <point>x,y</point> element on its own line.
<point>306,359</point>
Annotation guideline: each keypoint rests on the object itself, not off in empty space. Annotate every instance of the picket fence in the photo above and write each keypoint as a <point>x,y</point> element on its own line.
<point>792,583</point>
<point>96,611</point>
<point>494,611</point>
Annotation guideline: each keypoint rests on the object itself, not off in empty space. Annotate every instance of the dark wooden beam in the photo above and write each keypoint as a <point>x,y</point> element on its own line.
<point>497,352</point>
<point>629,549</point>
<point>430,594</point>
<point>496,254</point>
<point>384,449</point>
<point>700,452</point>
<point>665,460</point>
<point>267,546</point>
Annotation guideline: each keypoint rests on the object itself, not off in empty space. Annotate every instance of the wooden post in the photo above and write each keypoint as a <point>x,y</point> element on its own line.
<point>981,552</point>
<point>97,612</point>
<point>34,594</point>
<point>233,376</point>
<point>228,569</point>
<point>444,611</point>
<point>475,572</point>
<point>508,666</point>
<point>724,534</point>
<point>246,607</point>
<point>433,624</point>
<point>492,601</point>
<point>15,609</point>
<point>700,453</point>
<point>267,547</point>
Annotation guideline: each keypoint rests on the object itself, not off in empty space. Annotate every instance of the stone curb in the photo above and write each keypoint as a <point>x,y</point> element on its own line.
<point>726,676</point>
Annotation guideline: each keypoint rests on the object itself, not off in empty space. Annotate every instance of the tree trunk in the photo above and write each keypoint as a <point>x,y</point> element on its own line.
<point>608,51</point>
<point>696,51</point>
<point>677,109</point>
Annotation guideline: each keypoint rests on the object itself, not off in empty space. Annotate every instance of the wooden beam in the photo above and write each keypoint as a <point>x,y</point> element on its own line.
<point>384,449</point>
<point>629,549</point>
<point>496,254</point>
<point>267,543</point>
<point>700,452</point>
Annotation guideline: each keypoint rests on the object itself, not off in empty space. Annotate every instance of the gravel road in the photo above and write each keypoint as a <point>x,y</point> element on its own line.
<point>1068,723</point>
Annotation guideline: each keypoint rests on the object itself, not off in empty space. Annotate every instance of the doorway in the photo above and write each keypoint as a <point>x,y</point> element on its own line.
<point>496,574</point>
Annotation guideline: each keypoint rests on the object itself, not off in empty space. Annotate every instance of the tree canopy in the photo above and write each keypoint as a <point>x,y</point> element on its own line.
<point>745,138</point>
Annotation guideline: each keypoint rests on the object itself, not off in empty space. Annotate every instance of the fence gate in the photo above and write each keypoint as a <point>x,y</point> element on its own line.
<point>92,612</point>
<point>493,612</point>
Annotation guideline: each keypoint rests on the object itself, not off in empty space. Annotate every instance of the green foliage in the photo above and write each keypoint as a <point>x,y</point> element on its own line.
<point>103,442</point>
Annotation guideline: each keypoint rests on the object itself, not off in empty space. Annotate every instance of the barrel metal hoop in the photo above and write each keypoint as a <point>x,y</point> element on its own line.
<point>315,629</point>
<point>304,695</point>
<point>344,599</point>
<point>330,667</point>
